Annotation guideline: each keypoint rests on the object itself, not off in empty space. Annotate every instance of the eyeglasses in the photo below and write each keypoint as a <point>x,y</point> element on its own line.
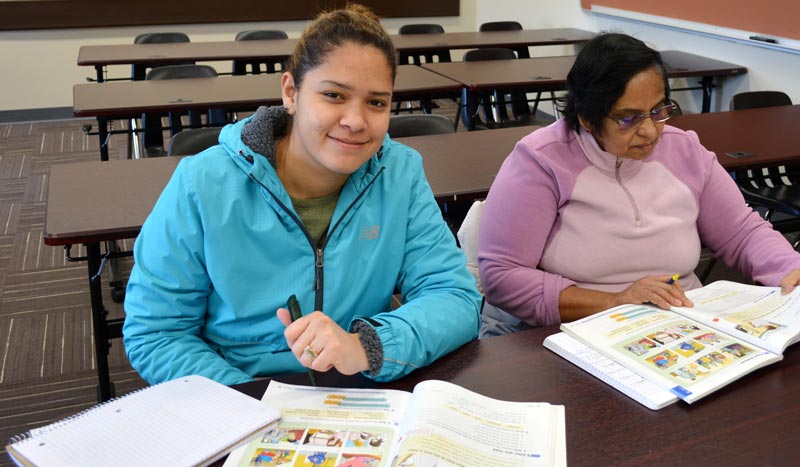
<point>659,114</point>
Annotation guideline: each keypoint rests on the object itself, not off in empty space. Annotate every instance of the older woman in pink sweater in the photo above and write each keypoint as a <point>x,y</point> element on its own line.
<point>604,206</point>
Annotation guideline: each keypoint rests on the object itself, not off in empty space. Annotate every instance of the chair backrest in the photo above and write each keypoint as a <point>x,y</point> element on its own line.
<point>522,50</point>
<point>192,141</point>
<point>160,38</point>
<point>427,56</point>
<point>139,70</point>
<point>754,99</point>
<point>261,35</point>
<point>421,29</point>
<point>265,65</point>
<point>494,102</point>
<point>500,26</point>
<point>489,53</point>
<point>401,126</point>
<point>152,134</point>
<point>181,72</point>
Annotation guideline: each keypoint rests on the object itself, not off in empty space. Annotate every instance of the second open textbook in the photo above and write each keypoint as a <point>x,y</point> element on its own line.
<point>439,424</point>
<point>732,330</point>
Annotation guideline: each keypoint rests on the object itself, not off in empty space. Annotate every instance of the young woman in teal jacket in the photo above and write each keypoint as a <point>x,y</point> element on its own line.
<point>310,199</point>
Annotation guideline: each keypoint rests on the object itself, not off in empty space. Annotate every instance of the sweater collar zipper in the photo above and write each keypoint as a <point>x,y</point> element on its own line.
<point>636,217</point>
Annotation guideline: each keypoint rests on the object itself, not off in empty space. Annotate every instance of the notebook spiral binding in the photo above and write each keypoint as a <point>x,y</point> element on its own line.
<point>28,435</point>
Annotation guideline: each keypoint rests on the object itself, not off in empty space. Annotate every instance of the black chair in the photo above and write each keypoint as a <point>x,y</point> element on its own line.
<point>775,189</point>
<point>401,126</point>
<point>139,70</point>
<point>493,104</point>
<point>243,67</point>
<point>771,190</point>
<point>153,131</point>
<point>755,99</point>
<point>426,56</point>
<point>192,141</point>
<point>521,51</point>
<point>417,58</point>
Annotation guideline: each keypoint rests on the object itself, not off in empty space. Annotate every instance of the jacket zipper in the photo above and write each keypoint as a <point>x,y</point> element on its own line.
<point>319,250</point>
<point>636,219</point>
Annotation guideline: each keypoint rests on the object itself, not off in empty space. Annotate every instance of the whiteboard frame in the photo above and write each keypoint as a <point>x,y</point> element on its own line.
<point>708,30</point>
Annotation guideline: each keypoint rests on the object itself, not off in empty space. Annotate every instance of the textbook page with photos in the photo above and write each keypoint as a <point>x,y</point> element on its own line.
<point>735,326</point>
<point>439,424</point>
<point>758,315</point>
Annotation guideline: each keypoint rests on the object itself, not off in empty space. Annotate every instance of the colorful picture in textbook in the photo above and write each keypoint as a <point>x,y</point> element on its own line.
<point>327,429</point>
<point>683,352</point>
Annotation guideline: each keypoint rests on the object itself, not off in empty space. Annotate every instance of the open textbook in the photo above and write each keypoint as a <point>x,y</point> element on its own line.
<point>732,330</point>
<point>439,424</point>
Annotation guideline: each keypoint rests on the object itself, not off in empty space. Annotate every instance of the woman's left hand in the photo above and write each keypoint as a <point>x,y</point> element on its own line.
<point>321,344</point>
<point>789,281</point>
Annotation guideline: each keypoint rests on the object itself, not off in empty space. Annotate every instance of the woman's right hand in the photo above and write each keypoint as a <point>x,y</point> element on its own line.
<point>655,290</point>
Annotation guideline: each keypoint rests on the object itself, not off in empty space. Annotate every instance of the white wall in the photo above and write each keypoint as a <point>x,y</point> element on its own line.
<point>39,67</point>
<point>767,69</point>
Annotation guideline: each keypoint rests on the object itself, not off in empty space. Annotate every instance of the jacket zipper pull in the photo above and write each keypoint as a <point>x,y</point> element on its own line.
<point>618,163</point>
<point>319,264</point>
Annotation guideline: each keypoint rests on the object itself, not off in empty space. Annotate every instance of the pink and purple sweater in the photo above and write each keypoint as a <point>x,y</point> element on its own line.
<point>564,212</point>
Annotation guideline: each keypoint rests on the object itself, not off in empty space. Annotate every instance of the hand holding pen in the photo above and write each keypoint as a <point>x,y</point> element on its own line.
<point>661,291</point>
<point>319,343</point>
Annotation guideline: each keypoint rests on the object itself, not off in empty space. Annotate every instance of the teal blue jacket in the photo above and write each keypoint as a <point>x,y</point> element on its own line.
<point>223,249</point>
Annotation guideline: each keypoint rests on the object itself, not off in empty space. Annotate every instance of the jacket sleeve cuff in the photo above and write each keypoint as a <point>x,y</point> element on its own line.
<point>372,345</point>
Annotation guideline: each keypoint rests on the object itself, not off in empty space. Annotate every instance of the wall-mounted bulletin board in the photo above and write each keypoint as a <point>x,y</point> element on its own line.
<point>771,23</point>
<point>55,14</point>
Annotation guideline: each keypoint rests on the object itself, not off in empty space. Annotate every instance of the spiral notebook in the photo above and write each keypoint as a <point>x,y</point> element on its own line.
<point>189,421</point>
<point>610,372</point>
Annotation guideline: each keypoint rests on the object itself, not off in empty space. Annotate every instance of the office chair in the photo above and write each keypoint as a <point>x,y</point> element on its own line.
<point>240,67</point>
<point>401,126</point>
<point>775,190</point>
<point>139,71</point>
<point>493,104</point>
<point>417,58</point>
<point>521,51</point>
<point>152,135</point>
<point>193,141</point>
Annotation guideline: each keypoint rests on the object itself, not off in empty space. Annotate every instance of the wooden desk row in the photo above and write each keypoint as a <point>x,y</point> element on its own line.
<point>746,423</point>
<point>92,202</point>
<point>99,56</point>
<point>128,99</point>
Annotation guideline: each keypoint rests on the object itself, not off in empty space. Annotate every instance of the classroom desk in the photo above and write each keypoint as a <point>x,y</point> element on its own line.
<point>749,422</point>
<point>129,99</point>
<point>550,74</point>
<point>770,134</point>
<point>93,202</point>
<point>100,56</point>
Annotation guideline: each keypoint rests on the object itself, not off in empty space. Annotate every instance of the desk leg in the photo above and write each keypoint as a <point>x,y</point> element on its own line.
<point>98,69</point>
<point>102,134</point>
<point>99,324</point>
<point>707,83</point>
<point>467,104</point>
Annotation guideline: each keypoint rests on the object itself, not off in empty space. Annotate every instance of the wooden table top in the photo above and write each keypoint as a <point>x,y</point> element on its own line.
<point>747,422</point>
<point>129,98</point>
<point>550,73</point>
<point>98,201</point>
<point>93,55</point>
<point>770,134</point>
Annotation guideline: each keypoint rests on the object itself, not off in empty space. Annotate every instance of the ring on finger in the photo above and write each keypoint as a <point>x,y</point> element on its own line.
<point>312,354</point>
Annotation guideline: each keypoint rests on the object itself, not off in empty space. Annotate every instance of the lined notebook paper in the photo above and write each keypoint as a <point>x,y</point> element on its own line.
<point>189,421</point>
<point>612,373</point>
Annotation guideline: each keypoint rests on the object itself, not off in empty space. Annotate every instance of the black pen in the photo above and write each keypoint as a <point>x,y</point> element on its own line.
<point>294,312</point>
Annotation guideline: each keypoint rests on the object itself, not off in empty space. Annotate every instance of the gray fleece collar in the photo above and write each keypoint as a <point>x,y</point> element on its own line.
<point>263,130</point>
